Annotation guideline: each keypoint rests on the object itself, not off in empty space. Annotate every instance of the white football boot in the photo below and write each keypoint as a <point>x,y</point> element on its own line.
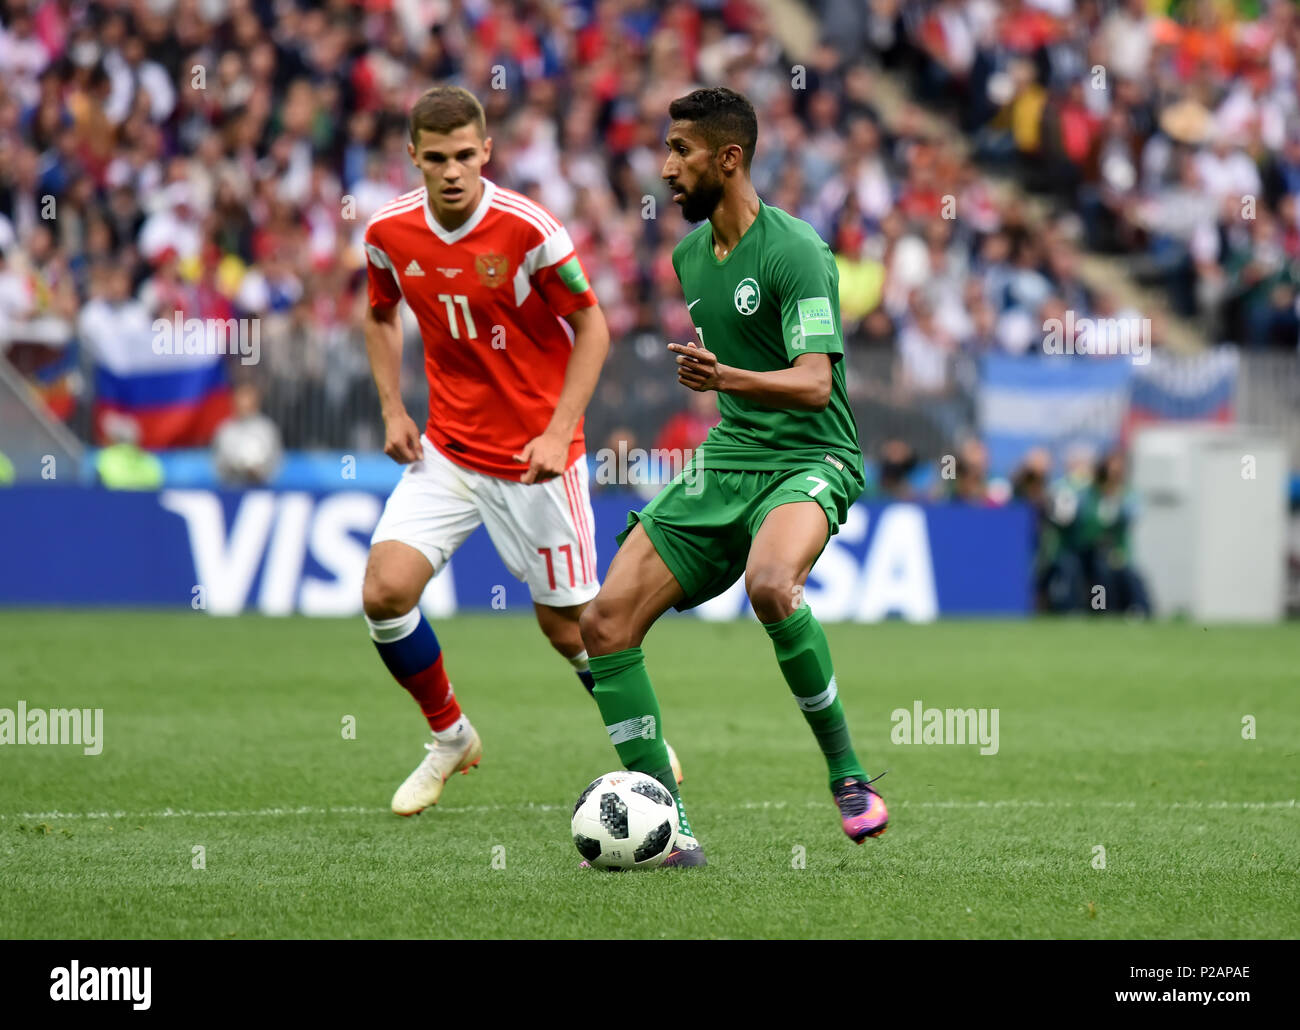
<point>454,750</point>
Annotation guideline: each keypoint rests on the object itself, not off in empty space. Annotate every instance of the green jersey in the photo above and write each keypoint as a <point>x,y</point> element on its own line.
<point>773,298</point>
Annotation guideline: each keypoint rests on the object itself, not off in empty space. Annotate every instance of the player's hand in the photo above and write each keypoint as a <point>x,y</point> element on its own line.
<point>545,457</point>
<point>402,439</point>
<point>697,367</point>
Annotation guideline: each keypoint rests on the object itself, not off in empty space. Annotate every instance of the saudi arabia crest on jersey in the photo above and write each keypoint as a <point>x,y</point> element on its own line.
<point>746,296</point>
<point>491,269</point>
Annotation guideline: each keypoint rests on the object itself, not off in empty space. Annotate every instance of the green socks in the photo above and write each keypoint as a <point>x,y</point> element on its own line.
<point>630,709</point>
<point>805,660</point>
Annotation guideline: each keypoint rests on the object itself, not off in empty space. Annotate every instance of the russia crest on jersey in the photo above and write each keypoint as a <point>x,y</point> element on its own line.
<point>491,269</point>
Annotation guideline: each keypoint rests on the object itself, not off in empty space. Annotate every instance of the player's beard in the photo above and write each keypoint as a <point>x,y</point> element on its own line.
<point>699,203</point>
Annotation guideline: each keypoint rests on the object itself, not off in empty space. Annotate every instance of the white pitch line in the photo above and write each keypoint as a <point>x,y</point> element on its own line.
<point>1020,803</point>
<point>185,813</point>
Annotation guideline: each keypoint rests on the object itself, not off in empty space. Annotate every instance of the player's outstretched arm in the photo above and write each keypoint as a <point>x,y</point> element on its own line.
<point>804,386</point>
<point>383,332</point>
<point>547,455</point>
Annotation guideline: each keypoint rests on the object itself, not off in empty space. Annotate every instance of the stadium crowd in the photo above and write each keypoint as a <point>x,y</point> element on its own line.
<point>222,157</point>
<point>1174,129</point>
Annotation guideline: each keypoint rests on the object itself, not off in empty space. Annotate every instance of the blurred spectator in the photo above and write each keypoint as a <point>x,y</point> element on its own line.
<point>621,463</point>
<point>1260,281</point>
<point>1058,573</point>
<point>37,308</point>
<point>926,376</point>
<point>1105,518</point>
<point>247,448</point>
<point>123,464</point>
<point>897,463</point>
<point>970,484</point>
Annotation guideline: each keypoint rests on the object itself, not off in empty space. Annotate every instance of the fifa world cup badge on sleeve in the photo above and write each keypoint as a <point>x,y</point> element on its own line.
<point>815,317</point>
<point>572,277</point>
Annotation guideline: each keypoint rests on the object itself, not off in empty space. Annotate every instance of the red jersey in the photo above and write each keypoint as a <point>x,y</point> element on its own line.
<point>489,297</point>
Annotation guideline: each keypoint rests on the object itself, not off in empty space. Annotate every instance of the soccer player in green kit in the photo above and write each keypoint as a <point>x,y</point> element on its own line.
<point>773,481</point>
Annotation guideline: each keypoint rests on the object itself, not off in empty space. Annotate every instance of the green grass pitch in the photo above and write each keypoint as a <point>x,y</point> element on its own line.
<point>227,734</point>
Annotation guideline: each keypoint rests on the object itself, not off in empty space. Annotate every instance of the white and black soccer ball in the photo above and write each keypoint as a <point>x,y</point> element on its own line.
<point>625,820</point>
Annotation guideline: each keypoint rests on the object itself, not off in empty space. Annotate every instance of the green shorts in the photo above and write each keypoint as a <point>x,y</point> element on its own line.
<point>703,522</point>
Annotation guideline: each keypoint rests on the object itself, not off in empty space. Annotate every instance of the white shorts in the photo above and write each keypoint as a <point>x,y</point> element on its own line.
<point>542,531</point>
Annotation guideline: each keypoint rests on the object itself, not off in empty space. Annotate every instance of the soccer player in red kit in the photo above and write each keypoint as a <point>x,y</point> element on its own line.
<point>491,277</point>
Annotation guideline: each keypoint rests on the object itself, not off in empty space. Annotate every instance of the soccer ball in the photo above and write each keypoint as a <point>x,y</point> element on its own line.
<point>625,820</point>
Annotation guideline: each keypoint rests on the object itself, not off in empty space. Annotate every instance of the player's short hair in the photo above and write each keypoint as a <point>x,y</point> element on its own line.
<point>443,109</point>
<point>722,116</point>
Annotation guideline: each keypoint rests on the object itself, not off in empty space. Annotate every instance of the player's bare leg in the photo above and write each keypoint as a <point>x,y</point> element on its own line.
<point>780,558</point>
<point>560,625</point>
<point>637,590</point>
<point>396,575</point>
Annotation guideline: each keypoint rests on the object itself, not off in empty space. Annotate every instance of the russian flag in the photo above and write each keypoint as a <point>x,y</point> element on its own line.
<point>176,399</point>
<point>1199,388</point>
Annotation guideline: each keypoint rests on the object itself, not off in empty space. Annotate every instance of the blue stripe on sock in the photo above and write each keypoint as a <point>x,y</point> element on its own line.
<point>413,653</point>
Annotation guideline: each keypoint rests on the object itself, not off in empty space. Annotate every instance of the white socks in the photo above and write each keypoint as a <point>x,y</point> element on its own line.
<point>453,731</point>
<point>387,631</point>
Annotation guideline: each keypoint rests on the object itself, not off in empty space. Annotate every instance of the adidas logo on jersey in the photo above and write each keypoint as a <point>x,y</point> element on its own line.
<point>414,268</point>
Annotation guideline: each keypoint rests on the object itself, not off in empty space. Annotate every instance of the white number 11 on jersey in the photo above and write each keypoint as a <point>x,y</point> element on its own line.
<point>451,300</point>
